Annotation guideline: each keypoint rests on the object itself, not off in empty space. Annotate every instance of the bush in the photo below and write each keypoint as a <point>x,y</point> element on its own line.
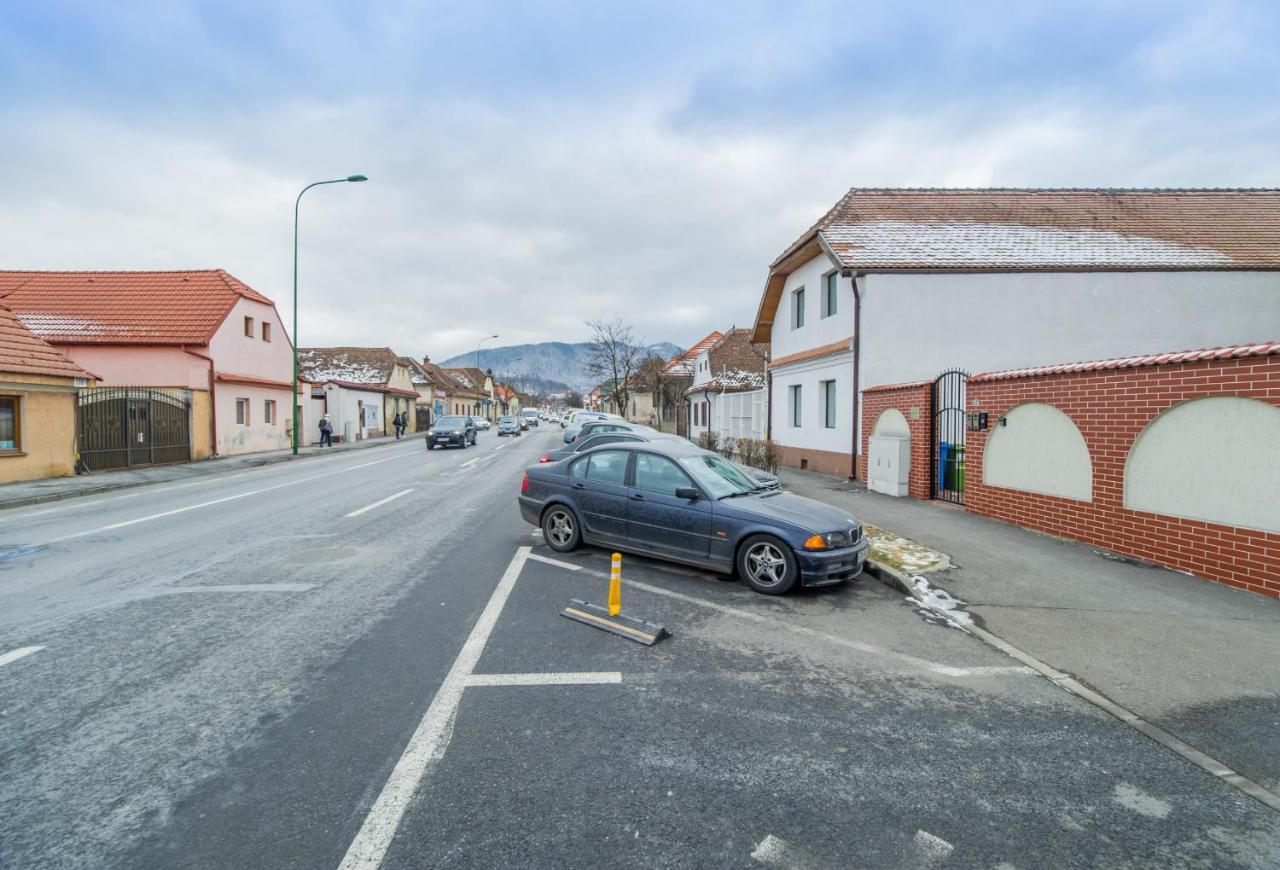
<point>758,453</point>
<point>709,441</point>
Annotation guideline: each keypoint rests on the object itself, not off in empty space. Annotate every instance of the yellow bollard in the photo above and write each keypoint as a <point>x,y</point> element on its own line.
<point>615,585</point>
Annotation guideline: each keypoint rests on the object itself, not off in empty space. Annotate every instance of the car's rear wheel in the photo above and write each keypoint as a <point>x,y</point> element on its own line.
<point>560,528</point>
<point>767,565</point>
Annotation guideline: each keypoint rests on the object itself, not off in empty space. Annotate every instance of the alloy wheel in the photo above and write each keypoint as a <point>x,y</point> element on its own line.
<point>560,528</point>
<point>766,564</point>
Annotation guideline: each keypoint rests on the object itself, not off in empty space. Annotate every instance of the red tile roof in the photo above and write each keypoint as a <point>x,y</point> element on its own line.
<point>1238,351</point>
<point>22,352</point>
<point>736,367</point>
<point>842,346</point>
<point>157,308</point>
<point>682,364</point>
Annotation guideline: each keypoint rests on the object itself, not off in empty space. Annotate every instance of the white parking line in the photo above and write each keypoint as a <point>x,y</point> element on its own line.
<point>379,503</point>
<point>563,678</point>
<point>429,741</point>
<point>20,653</point>
<point>225,499</point>
<point>240,587</point>
<point>568,566</point>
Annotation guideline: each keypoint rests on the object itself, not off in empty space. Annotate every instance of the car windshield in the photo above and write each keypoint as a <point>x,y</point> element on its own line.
<point>451,422</point>
<point>507,420</point>
<point>718,476</point>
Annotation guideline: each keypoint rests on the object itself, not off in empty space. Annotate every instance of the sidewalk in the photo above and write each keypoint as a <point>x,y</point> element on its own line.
<point>1196,658</point>
<point>57,488</point>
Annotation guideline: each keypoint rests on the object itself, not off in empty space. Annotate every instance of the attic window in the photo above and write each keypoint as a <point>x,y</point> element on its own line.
<point>248,327</point>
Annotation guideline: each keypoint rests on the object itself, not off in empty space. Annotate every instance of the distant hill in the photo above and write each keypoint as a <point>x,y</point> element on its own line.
<point>557,364</point>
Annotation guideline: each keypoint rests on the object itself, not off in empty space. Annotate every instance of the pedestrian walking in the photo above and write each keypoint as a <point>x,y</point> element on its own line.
<point>326,432</point>
<point>398,423</point>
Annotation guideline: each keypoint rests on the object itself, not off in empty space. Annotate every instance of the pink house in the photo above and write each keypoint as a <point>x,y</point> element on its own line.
<point>201,333</point>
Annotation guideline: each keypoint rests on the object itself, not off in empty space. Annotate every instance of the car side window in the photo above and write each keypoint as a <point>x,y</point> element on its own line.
<point>659,474</point>
<point>608,466</point>
<point>578,469</point>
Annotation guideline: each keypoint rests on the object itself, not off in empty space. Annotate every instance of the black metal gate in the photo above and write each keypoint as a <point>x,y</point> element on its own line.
<point>947,429</point>
<point>123,427</point>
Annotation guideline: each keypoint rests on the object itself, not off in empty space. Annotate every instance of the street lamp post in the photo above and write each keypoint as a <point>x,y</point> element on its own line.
<point>296,203</point>
<point>478,343</point>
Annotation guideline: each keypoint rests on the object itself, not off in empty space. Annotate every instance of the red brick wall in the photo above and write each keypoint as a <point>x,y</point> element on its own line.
<point>1111,408</point>
<point>904,397</point>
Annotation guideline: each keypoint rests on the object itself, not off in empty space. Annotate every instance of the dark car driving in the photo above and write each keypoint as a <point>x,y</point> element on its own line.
<point>509,426</point>
<point>672,500</point>
<point>452,431</point>
<point>762,478</point>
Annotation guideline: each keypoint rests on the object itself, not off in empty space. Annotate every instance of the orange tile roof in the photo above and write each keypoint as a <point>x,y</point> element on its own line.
<point>842,346</point>
<point>1237,351</point>
<point>682,364</point>
<point>154,308</point>
<point>22,352</point>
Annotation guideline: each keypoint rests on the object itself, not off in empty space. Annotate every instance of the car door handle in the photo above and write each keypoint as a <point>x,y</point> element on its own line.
<point>579,486</point>
<point>635,496</point>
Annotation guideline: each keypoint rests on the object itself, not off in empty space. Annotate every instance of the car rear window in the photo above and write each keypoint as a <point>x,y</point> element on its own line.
<point>608,466</point>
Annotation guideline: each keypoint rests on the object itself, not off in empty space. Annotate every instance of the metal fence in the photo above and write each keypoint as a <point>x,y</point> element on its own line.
<point>947,433</point>
<point>124,427</point>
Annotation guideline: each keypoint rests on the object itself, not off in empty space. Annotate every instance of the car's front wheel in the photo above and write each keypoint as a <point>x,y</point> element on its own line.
<point>560,529</point>
<point>767,565</point>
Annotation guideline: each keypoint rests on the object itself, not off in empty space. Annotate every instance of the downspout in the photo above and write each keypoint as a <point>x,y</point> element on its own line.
<point>857,345</point>
<point>213,403</point>
<point>768,390</point>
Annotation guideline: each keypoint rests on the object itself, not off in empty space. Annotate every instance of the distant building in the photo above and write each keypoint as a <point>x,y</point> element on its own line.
<point>728,394</point>
<point>362,389</point>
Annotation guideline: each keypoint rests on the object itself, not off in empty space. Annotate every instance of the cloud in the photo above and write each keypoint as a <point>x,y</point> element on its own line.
<point>592,185</point>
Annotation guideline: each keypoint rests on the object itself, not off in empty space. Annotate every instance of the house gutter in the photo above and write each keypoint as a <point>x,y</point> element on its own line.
<point>213,402</point>
<point>848,272</point>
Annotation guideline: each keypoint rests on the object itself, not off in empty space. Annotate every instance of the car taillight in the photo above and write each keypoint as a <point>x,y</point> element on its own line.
<point>524,484</point>
<point>544,458</point>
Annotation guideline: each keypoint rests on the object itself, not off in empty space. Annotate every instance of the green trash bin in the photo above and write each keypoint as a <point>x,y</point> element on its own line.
<point>958,449</point>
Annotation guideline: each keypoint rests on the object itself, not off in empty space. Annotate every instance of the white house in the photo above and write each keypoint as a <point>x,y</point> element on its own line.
<point>360,388</point>
<point>894,286</point>
<point>728,394</point>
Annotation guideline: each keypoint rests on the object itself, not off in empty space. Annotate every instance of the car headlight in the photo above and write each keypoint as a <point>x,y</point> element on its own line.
<point>829,541</point>
<point>431,431</point>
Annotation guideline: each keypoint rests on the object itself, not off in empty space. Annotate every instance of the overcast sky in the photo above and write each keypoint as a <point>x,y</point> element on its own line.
<point>533,165</point>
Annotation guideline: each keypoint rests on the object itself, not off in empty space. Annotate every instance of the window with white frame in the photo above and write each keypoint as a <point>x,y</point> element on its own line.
<point>828,391</point>
<point>797,308</point>
<point>794,404</point>
<point>242,412</point>
<point>269,412</point>
<point>830,287</point>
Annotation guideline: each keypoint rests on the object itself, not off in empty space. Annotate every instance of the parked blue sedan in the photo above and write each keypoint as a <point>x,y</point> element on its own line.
<point>675,501</point>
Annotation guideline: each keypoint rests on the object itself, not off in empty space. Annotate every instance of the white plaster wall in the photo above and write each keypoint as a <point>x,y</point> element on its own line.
<point>915,326</point>
<point>892,423</point>
<point>235,353</point>
<point>1039,449</point>
<point>258,435</point>
<point>1213,459</point>
<point>817,330</point>
<point>812,434</point>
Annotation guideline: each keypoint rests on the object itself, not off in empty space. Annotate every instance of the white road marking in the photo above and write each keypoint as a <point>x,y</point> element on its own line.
<point>20,653</point>
<point>379,503</point>
<point>224,499</point>
<point>149,489</point>
<point>568,566</point>
<point>563,678</point>
<point>935,667</point>
<point>429,741</point>
<point>932,848</point>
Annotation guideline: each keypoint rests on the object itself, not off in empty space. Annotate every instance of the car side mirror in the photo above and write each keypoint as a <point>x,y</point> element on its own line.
<point>688,492</point>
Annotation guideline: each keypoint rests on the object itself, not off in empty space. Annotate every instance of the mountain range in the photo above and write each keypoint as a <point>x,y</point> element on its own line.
<point>546,367</point>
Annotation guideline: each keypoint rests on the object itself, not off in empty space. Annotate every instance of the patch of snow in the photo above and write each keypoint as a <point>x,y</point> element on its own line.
<point>970,242</point>
<point>940,601</point>
<point>1133,798</point>
<point>932,848</point>
<point>55,324</point>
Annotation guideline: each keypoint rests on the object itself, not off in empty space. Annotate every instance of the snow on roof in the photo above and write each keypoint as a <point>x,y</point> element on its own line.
<point>354,365</point>
<point>891,243</point>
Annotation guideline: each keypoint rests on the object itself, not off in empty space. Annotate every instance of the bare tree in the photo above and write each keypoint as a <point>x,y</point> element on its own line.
<point>614,356</point>
<point>653,377</point>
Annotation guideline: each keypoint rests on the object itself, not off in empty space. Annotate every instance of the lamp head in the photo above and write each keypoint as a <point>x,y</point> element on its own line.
<point>357,178</point>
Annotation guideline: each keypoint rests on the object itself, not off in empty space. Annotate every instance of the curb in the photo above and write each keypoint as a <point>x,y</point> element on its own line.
<point>45,498</point>
<point>895,579</point>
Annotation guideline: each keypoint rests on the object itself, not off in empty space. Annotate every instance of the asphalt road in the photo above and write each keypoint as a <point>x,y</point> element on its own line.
<point>278,668</point>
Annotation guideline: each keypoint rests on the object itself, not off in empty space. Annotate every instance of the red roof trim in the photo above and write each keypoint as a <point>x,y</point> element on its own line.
<point>886,388</point>
<point>250,380</point>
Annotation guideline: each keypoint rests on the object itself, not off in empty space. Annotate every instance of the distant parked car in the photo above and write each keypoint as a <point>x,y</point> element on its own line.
<point>452,431</point>
<point>509,426</point>
<point>763,479</point>
<point>589,425</point>
<point>483,424</point>
<point>675,501</point>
